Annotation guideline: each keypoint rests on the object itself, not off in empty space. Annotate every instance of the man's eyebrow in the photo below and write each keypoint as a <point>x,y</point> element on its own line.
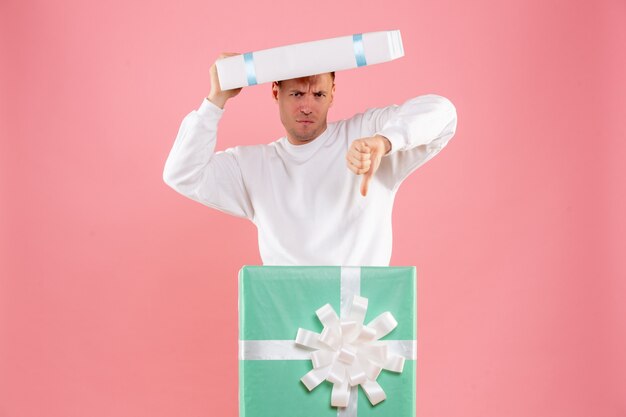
<point>297,90</point>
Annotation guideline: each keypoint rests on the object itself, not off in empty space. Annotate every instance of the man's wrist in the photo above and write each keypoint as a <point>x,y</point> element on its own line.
<point>218,101</point>
<point>386,143</point>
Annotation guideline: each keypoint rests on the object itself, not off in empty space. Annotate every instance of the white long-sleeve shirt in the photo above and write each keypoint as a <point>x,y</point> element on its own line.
<point>303,199</point>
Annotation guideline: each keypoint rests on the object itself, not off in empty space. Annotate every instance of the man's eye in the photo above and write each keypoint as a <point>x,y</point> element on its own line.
<point>296,94</point>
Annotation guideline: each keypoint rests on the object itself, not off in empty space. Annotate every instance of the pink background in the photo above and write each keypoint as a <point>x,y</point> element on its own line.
<point>118,296</point>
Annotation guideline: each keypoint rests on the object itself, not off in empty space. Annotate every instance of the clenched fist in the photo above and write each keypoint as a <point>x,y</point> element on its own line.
<point>364,157</point>
<point>217,96</point>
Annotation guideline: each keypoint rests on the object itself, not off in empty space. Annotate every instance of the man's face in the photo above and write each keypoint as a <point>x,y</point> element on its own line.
<point>304,104</point>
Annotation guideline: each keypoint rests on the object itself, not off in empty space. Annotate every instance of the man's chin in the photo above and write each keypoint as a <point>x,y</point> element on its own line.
<point>305,137</point>
<point>300,135</point>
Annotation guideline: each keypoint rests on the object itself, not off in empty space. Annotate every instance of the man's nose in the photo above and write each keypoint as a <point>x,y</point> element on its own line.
<point>305,106</point>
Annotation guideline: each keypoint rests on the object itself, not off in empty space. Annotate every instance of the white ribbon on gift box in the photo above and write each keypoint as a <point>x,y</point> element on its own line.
<point>391,352</point>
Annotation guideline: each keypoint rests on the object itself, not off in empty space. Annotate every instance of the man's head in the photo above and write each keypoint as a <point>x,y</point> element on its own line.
<point>304,104</point>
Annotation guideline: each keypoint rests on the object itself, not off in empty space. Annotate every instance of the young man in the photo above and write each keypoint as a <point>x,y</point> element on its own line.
<point>323,194</point>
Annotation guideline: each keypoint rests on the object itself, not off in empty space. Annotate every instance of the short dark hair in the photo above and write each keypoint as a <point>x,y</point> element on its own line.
<point>332,75</point>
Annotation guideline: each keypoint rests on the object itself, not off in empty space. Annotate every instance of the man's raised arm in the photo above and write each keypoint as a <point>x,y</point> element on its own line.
<point>195,170</point>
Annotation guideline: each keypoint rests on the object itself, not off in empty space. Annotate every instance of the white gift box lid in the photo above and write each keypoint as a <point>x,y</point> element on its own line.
<point>309,58</point>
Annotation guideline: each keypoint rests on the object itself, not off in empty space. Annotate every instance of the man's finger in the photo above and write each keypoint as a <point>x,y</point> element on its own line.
<point>358,171</point>
<point>358,162</point>
<point>355,169</point>
<point>361,146</point>
<point>367,177</point>
<point>365,183</point>
<point>361,156</point>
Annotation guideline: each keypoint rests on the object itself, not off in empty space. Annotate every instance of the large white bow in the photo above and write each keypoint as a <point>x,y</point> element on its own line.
<point>348,353</point>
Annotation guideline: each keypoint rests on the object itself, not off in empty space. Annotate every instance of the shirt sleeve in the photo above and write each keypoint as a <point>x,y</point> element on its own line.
<point>195,170</point>
<point>418,130</point>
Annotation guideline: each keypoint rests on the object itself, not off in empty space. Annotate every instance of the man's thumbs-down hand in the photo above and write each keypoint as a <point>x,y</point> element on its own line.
<point>364,158</point>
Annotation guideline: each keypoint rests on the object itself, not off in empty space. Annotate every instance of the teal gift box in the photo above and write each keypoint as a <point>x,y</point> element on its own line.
<point>276,301</point>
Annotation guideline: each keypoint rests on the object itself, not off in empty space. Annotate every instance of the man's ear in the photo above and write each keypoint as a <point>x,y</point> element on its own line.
<point>275,91</point>
<point>332,95</point>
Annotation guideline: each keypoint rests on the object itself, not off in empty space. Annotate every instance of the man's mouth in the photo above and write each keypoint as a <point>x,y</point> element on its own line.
<point>305,121</point>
